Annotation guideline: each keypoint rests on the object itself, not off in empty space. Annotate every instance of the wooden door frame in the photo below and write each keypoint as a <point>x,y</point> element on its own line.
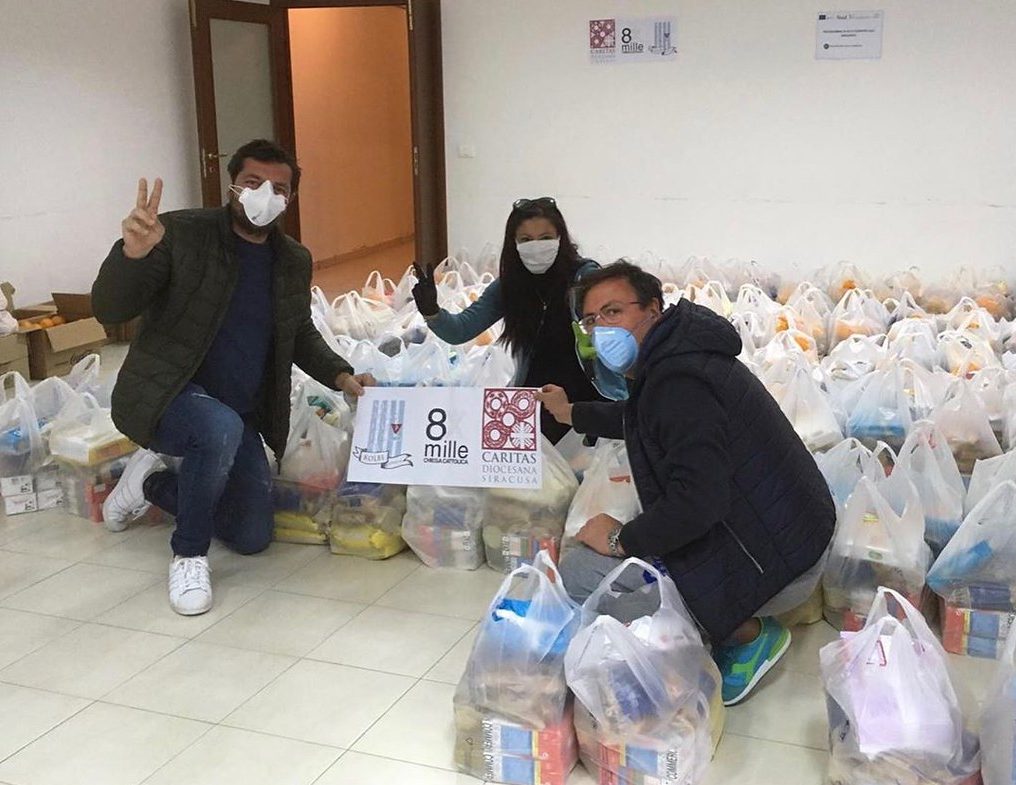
<point>430,209</point>
<point>201,14</point>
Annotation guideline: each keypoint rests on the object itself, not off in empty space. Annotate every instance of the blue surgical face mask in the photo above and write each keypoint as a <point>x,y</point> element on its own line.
<point>617,347</point>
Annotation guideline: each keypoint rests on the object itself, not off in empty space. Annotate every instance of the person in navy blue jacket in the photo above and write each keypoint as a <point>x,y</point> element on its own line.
<point>733,503</point>
<point>539,263</point>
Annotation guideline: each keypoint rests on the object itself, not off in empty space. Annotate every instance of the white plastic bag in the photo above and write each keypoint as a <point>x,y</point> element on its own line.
<point>22,449</point>
<point>986,475</point>
<point>975,570</point>
<point>378,288</point>
<point>649,684</point>
<point>964,422</point>
<point>607,488</point>
<point>874,546</point>
<point>893,712</point>
<point>843,466</point>
<point>882,412</point>
<point>964,353</point>
<point>927,457</point>
<point>518,524</point>
<point>858,312</point>
<point>998,721</point>
<point>317,453</point>
<point>809,411</point>
<point>516,667</point>
<point>443,525</point>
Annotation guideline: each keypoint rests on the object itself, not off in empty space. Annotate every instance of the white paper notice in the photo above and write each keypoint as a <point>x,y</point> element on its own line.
<point>458,436</point>
<point>629,40</point>
<point>849,35</point>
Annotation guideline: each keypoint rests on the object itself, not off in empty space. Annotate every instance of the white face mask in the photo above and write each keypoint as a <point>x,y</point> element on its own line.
<point>262,205</point>
<point>538,255</point>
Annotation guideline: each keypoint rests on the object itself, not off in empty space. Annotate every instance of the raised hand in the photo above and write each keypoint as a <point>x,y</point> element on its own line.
<point>142,229</point>
<point>425,291</point>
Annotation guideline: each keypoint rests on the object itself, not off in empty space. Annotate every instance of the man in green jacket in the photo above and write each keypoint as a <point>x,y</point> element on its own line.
<point>224,297</point>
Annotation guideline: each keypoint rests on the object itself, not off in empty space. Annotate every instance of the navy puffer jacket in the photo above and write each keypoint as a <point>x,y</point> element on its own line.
<point>733,501</point>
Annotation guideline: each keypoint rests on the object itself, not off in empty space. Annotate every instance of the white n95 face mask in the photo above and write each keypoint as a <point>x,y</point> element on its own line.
<point>262,205</point>
<point>538,256</point>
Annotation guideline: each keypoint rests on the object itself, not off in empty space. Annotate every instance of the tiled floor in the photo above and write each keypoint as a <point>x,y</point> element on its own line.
<point>312,668</point>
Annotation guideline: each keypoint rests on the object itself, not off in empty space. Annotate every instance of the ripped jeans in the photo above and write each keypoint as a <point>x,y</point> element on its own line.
<point>224,486</point>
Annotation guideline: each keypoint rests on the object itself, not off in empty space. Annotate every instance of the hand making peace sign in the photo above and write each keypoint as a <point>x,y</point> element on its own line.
<point>142,229</point>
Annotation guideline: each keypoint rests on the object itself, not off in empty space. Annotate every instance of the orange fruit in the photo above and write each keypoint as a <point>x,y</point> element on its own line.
<point>45,323</point>
<point>58,320</point>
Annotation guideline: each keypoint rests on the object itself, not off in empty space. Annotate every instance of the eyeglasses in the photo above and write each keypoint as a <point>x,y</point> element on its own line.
<point>609,314</point>
<point>541,201</point>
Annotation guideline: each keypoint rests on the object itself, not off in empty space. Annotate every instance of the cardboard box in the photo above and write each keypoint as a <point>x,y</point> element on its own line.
<point>22,503</point>
<point>53,351</point>
<point>13,348</point>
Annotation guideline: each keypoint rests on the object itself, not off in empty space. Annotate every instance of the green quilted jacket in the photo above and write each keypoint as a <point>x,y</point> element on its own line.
<point>181,290</point>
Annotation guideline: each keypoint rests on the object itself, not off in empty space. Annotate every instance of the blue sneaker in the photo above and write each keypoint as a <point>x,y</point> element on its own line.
<point>742,667</point>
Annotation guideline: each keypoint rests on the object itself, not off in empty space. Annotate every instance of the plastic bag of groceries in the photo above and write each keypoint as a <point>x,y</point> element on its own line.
<point>858,312</point>
<point>786,343</point>
<point>986,475</point>
<point>647,692</point>
<point>925,390</point>
<point>378,288</point>
<point>443,525</point>
<point>573,448</point>
<point>755,331</point>
<point>975,570</point>
<point>518,524</point>
<point>317,453</point>
<point>358,317</point>
<point>964,422</point>
<point>882,412</point>
<point>366,520</point>
<point>753,299</point>
<point>814,308</point>
<point>607,488</point>
<point>874,546</point>
<point>963,353</point>
<point>931,466</point>
<point>810,412</point>
<point>990,386</point>
<point>516,667</point>
<point>83,433</point>
<point>22,449</point>
<point>712,294</point>
<point>914,339</point>
<point>998,721</point>
<point>968,316</point>
<point>904,306</point>
<point>894,716</point>
<point>843,466</point>
<point>905,282</point>
<point>842,278</point>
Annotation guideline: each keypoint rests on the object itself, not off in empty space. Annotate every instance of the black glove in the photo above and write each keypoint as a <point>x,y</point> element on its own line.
<point>425,291</point>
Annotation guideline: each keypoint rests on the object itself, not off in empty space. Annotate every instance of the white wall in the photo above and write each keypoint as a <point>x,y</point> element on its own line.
<point>746,146</point>
<point>92,96</point>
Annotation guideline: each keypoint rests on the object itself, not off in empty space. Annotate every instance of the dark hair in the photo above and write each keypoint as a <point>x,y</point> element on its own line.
<point>646,285</point>
<point>525,295</point>
<point>266,151</point>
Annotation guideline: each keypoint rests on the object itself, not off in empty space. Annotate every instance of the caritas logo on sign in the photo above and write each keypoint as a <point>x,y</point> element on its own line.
<point>510,439</point>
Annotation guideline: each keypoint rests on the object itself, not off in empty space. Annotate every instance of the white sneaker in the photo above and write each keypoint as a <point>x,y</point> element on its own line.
<point>190,585</point>
<point>127,501</point>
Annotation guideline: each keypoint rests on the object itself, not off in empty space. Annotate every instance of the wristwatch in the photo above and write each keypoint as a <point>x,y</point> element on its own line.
<point>614,542</point>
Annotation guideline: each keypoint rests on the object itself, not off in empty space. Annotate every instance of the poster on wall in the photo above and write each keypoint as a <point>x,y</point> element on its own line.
<point>454,436</point>
<point>633,40</point>
<point>849,35</point>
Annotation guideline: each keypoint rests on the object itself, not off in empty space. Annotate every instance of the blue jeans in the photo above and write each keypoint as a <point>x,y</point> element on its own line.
<point>224,487</point>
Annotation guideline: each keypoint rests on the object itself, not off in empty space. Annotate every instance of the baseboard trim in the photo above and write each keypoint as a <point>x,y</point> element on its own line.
<point>359,253</point>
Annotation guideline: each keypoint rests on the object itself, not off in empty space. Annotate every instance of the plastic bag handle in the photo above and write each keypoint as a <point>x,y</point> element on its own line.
<point>21,387</point>
<point>546,572</point>
<point>918,626</point>
<point>616,573</point>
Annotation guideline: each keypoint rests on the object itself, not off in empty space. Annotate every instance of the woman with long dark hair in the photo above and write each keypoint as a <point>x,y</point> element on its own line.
<point>539,264</point>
